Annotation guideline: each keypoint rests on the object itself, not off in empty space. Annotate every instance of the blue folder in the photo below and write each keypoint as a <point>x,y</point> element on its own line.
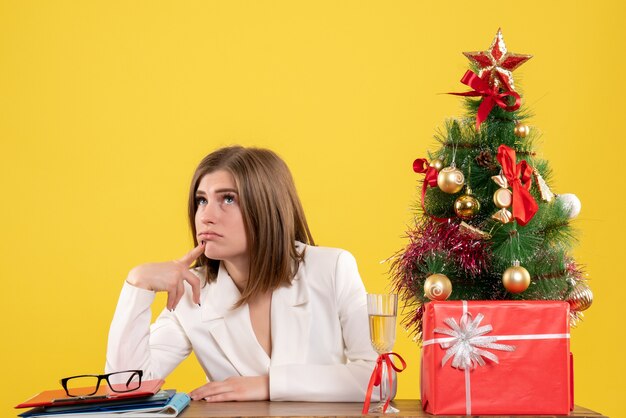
<point>165,403</point>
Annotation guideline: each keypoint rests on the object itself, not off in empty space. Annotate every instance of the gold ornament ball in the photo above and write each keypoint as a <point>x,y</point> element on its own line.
<point>450,180</point>
<point>437,287</point>
<point>580,297</point>
<point>503,198</point>
<point>466,206</point>
<point>516,279</point>
<point>437,164</point>
<point>521,131</point>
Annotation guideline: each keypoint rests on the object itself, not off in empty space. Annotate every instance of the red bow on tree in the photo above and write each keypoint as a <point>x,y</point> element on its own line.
<point>491,96</point>
<point>520,179</point>
<point>421,166</point>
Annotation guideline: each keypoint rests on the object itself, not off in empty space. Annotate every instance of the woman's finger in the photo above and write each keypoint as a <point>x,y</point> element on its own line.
<point>222,397</point>
<point>209,389</point>
<point>180,291</point>
<point>171,298</point>
<point>192,255</point>
<point>194,282</point>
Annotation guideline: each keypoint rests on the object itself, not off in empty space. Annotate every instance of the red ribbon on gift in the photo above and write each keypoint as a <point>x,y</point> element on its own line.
<point>520,178</point>
<point>377,376</point>
<point>421,166</point>
<point>491,96</point>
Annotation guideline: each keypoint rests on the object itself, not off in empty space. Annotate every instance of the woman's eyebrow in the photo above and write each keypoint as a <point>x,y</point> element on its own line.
<point>227,191</point>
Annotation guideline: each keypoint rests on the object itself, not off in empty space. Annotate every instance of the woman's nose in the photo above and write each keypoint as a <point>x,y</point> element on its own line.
<point>208,213</point>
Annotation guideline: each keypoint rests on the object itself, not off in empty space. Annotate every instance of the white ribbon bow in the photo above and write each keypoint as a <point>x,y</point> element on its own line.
<point>468,341</point>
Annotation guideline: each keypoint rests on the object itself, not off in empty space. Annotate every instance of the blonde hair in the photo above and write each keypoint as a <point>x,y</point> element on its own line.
<point>272,215</point>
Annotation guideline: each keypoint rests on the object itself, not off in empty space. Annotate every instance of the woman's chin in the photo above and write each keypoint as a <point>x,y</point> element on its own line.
<point>213,253</point>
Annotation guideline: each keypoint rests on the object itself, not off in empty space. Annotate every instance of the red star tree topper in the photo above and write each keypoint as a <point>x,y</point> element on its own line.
<point>496,63</point>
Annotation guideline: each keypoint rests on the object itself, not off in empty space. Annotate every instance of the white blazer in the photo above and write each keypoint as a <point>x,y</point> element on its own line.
<point>319,327</point>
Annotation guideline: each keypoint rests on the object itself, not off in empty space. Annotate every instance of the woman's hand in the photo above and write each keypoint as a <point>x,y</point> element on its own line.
<point>236,388</point>
<point>169,277</point>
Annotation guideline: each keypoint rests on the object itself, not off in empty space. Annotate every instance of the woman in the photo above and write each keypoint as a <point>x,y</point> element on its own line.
<point>269,315</point>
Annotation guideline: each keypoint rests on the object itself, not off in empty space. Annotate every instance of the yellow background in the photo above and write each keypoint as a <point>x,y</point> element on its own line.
<point>107,106</point>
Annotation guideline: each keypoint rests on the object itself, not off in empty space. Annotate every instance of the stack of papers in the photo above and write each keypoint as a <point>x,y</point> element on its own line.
<point>147,401</point>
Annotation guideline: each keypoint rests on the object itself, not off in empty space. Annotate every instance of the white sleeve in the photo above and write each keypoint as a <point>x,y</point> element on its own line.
<point>134,344</point>
<point>335,382</point>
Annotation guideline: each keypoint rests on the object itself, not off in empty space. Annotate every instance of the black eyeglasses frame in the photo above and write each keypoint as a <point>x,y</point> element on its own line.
<point>105,377</point>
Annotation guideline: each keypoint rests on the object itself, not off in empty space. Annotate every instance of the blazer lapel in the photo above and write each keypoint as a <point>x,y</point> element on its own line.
<point>291,322</point>
<point>231,328</point>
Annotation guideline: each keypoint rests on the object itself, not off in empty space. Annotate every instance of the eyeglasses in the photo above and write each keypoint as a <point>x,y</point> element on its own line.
<point>88,384</point>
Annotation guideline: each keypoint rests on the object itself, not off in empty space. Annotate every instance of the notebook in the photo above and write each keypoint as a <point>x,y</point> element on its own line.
<point>170,408</point>
<point>161,398</point>
<point>104,394</point>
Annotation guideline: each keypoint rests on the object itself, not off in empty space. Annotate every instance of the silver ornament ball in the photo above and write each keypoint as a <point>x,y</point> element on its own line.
<point>571,203</point>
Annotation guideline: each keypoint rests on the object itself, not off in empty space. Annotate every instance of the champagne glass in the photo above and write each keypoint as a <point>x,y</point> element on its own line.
<point>382,310</point>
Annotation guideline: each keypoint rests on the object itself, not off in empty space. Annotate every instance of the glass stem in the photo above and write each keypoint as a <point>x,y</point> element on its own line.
<point>383,384</point>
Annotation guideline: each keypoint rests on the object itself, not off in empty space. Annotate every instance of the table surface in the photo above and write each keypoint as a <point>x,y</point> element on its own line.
<point>409,408</point>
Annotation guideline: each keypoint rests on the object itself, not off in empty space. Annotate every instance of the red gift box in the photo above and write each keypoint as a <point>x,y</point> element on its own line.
<point>500,357</point>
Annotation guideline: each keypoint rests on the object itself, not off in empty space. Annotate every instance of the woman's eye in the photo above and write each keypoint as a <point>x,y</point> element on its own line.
<point>229,199</point>
<point>200,201</point>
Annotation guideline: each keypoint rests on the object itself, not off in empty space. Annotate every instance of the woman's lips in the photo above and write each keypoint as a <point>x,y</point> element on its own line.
<point>208,236</point>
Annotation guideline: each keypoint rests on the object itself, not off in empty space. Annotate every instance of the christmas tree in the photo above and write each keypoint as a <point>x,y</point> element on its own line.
<point>489,227</point>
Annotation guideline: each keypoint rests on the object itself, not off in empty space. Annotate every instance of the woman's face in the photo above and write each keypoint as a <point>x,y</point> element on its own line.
<point>219,223</point>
